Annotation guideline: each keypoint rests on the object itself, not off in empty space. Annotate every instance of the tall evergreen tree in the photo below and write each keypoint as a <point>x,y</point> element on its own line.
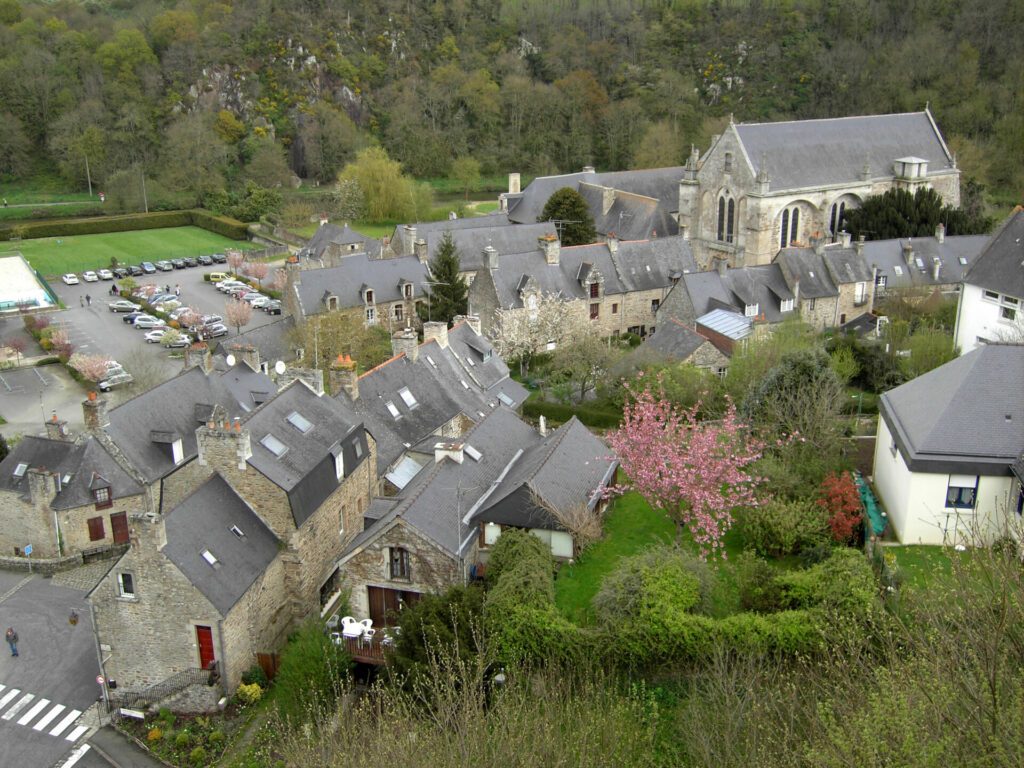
<point>568,207</point>
<point>898,213</point>
<point>448,295</point>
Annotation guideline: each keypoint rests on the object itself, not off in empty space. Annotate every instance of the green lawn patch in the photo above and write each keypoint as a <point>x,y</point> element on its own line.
<point>483,208</point>
<point>54,256</point>
<point>36,211</point>
<point>924,566</point>
<point>42,189</point>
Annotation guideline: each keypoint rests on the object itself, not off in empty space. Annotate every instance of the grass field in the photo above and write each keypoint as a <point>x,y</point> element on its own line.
<point>924,566</point>
<point>54,256</point>
<point>46,188</point>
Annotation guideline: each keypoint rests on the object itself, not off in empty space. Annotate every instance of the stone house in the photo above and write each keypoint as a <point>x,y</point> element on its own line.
<point>64,497</point>
<point>832,284</point>
<point>375,291</point>
<point>331,243</point>
<point>762,187</point>
<point>693,344</point>
<point>990,309</point>
<point>614,286</point>
<point>921,266</point>
<point>428,233</point>
<point>500,473</point>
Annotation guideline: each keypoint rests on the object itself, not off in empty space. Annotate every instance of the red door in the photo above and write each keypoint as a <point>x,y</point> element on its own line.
<point>204,636</point>
<point>119,523</point>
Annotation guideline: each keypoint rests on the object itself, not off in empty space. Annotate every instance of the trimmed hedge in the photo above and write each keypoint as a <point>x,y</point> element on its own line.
<point>221,225</point>
<point>600,418</point>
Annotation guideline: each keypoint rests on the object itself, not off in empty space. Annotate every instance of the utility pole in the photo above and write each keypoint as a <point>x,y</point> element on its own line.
<point>88,176</point>
<point>145,200</point>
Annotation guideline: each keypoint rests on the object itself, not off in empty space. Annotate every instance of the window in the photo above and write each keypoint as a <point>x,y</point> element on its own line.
<point>595,311</point>
<point>359,449</point>
<point>96,532</point>
<point>102,497</point>
<point>210,558</point>
<point>784,240</point>
<point>237,531</point>
<point>721,218</point>
<point>727,165</point>
<point>860,291</point>
<point>300,422</point>
<point>407,291</point>
<point>332,302</point>
<point>655,303</point>
<point>730,222</point>
<point>992,295</point>
<point>750,310</point>
<point>835,223</point>
<point>371,315</point>
<point>726,218</point>
<point>810,304</point>
<point>880,281</point>
<point>787,305</point>
<point>794,225</point>
<point>369,296</point>
<point>962,491</point>
<point>126,585</point>
<point>399,563</point>
<point>398,312</point>
<point>407,397</point>
<point>615,309</point>
<point>274,445</point>
<point>473,453</point>
<point>1005,313</point>
<point>339,464</point>
<point>19,471</point>
<point>595,290</point>
<point>393,410</point>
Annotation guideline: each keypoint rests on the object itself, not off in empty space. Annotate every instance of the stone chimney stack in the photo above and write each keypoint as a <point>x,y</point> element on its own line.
<point>437,329</point>
<point>343,377</point>
<point>763,182</point>
<point>859,247</point>
<point>148,531</point>
<point>406,341</point>
<point>247,353</point>
<point>588,169</point>
<point>199,356</point>
<point>473,321</point>
<point>57,429</point>
<point>936,268</point>
<point>551,248</point>
<point>224,445</point>
<point>94,413</point>
<point>408,239</point>
<point>490,257</point>
<point>42,486</point>
<point>723,266</point>
<point>451,451</point>
<point>818,243</point>
<point>613,242</point>
<point>420,249</point>
<point>908,253</point>
<point>607,199</point>
<point>844,238</point>
<point>940,233</point>
<point>514,184</point>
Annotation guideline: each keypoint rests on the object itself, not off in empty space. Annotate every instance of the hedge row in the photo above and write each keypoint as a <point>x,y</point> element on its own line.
<point>221,225</point>
<point>600,418</point>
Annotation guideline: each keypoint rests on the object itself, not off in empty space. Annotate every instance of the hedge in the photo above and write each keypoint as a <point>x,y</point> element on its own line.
<point>221,225</point>
<point>600,418</point>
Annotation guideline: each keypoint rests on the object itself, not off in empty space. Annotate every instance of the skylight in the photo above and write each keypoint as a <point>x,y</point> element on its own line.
<point>274,445</point>
<point>393,409</point>
<point>407,397</point>
<point>238,531</point>
<point>920,262</point>
<point>473,453</point>
<point>464,384</point>
<point>209,557</point>
<point>19,471</point>
<point>963,261</point>
<point>898,269</point>
<point>431,361</point>
<point>65,480</point>
<point>469,359</point>
<point>300,422</point>
<point>506,399</point>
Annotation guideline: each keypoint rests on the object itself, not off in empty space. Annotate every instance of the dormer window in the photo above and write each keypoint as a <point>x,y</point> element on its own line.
<point>750,310</point>
<point>102,498</point>
<point>407,291</point>
<point>368,296</point>
<point>339,465</point>
<point>595,290</point>
<point>332,303</point>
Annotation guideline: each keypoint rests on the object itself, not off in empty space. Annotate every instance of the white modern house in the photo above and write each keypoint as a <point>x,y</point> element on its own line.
<point>992,300</point>
<point>947,464</point>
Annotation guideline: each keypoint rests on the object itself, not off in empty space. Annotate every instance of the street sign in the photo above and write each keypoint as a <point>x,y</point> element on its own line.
<point>99,679</point>
<point>28,550</point>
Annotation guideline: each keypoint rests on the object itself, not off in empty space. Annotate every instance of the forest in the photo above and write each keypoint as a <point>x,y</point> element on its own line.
<point>198,98</point>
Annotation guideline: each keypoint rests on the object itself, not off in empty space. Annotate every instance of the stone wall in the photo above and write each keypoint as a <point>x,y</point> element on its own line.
<point>707,355</point>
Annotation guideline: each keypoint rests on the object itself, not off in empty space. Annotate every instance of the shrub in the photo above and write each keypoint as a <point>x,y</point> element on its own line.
<point>255,674</point>
<point>755,581</point>
<point>249,693</point>
<point>451,619</point>
<point>512,548</point>
<point>198,756</point>
<point>310,674</point>
<point>216,737</point>
<point>220,225</point>
<point>844,583</point>
<point>590,415</point>
<point>659,578</point>
<point>182,740</point>
<point>816,554</point>
<point>780,527</point>
<point>166,717</point>
<point>154,734</point>
<point>839,496</point>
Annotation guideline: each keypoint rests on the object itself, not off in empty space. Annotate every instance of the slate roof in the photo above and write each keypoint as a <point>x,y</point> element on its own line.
<point>179,406</point>
<point>805,266</point>
<point>504,239</point>
<point>648,264</point>
<point>674,340</point>
<point>1000,266</point>
<point>763,285</point>
<point>955,255</point>
<point>306,469</point>
<point>426,230</point>
<point>272,341</point>
<point>966,415</point>
<point>349,279</point>
<point>846,266</point>
<point>328,234</point>
<point>630,216</point>
<point>87,463</point>
<point>203,522</point>
<point>833,151</point>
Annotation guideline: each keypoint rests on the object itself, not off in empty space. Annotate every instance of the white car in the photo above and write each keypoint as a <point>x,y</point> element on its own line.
<point>90,277</point>
<point>260,302</point>
<point>105,274</point>
<point>156,335</point>
<point>70,279</point>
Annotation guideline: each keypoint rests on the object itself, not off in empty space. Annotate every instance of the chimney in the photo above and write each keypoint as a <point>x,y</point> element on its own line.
<point>844,238</point>
<point>408,239</point>
<point>199,356</point>
<point>723,266</point>
<point>342,376</point>
<point>420,249</point>
<point>796,293</point>
<point>551,247</point>
<point>936,267</point>
<point>42,486</point>
<point>148,531</point>
<point>94,412</point>
<point>247,353</point>
<point>817,243</point>
<point>859,247</point>
<point>607,199</point>
<point>490,257</point>
<point>940,233</point>
<point>224,445</point>
<point>514,187</point>
<point>406,341</point>
<point>451,451</point>
<point>437,329</point>
<point>323,219</point>
<point>613,242</point>
<point>57,429</point>
<point>588,169</point>
<point>543,426</point>
<point>473,321</point>
<point>908,253</point>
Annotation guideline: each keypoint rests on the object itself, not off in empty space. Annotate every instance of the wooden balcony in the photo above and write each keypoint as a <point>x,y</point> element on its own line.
<point>373,651</point>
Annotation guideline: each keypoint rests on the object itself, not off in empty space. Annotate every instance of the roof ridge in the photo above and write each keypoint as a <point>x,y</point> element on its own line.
<point>381,365</point>
<point>556,440</point>
<point>832,119</point>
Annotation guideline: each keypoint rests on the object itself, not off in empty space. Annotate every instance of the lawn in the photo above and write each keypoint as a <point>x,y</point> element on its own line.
<point>923,566</point>
<point>36,211</point>
<point>44,188</point>
<point>54,256</point>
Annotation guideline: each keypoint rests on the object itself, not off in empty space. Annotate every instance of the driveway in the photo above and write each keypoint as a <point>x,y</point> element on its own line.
<point>46,690</point>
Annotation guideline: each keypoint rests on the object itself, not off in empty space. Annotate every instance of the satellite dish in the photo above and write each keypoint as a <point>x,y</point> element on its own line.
<point>279,367</point>
<point>230,360</point>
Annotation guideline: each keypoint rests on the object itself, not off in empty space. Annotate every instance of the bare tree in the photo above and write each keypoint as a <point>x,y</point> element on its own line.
<point>17,345</point>
<point>238,313</point>
<point>280,279</point>
<point>546,321</point>
<point>582,522</point>
<point>235,260</point>
<point>146,369</point>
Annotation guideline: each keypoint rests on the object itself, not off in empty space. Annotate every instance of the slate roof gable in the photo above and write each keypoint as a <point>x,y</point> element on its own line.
<point>1000,265</point>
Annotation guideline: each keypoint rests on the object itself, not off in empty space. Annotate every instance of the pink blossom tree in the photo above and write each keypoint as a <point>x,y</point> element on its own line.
<point>696,471</point>
<point>17,345</point>
<point>235,260</point>
<point>280,279</point>
<point>238,313</point>
<point>92,367</point>
<point>257,269</point>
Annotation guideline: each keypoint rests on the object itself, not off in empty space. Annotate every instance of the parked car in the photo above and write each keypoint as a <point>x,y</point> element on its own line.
<point>105,274</point>
<point>239,291</point>
<point>160,298</point>
<point>260,301</point>
<point>148,268</point>
<point>123,305</point>
<point>164,266</point>
<point>190,262</point>
<point>178,263</point>
<point>219,277</point>
<point>131,317</point>
<point>115,380</point>
<point>90,277</point>
<point>156,335</point>
<point>136,270</point>
<point>212,319</point>
<point>179,311</point>
<point>182,340</point>
<point>167,306</point>
<point>272,307</point>
<point>121,272</point>
<point>226,285</point>
<point>204,260</point>
<point>212,331</point>
<point>251,296</point>
<point>113,367</point>
<point>147,322</point>
<point>70,278</point>
<point>219,258</point>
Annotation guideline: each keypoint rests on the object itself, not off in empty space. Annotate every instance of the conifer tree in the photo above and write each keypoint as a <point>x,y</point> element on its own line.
<point>568,207</point>
<point>448,295</point>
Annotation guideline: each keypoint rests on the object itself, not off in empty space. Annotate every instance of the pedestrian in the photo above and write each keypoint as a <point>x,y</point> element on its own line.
<point>177,290</point>
<point>168,288</point>
<point>12,640</point>
<point>81,300</point>
<point>88,299</point>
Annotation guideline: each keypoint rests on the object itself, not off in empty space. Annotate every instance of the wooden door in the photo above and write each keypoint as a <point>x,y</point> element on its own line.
<point>386,603</point>
<point>204,638</point>
<point>119,524</point>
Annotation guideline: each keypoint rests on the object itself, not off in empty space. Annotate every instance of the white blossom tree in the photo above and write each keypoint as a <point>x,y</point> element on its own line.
<point>546,321</point>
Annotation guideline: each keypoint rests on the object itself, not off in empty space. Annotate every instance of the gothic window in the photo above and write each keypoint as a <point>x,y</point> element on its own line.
<point>730,222</point>
<point>794,225</point>
<point>784,240</point>
<point>726,219</point>
<point>790,226</point>
<point>721,218</point>
<point>835,222</point>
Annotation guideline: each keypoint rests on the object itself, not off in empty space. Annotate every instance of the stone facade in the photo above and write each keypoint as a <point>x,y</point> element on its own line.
<point>707,355</point>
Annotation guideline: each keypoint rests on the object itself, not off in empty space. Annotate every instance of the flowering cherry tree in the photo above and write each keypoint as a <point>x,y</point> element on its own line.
<point>92,367</point>
<point>256,269</point>
<point>238,313</point>
<point>696,471</point>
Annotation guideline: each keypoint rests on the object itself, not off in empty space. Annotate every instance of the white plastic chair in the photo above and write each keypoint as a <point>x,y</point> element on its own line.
<point>388,640</point>
<point>367,623</point>
<point>346,620</point>
<point>336,638</point>
<point>353,629</point>
<point>367,638</point>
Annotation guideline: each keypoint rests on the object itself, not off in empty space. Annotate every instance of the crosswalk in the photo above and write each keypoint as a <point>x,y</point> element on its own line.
<point>39,714</point>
